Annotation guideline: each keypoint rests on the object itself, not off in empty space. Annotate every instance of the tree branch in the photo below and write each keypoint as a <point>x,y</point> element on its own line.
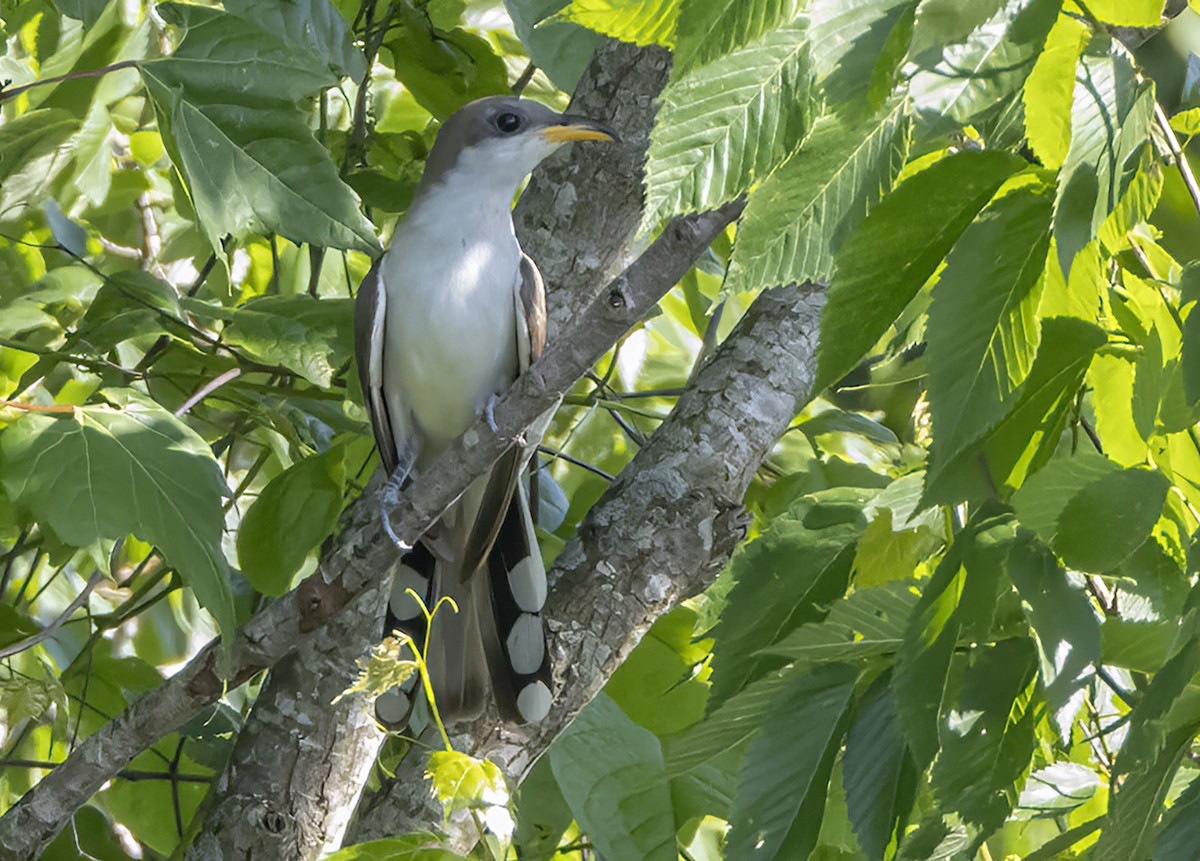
<point>361,554</point>
<point>659,535</point>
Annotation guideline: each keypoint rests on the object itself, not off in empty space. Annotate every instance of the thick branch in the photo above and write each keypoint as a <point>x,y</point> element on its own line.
<point>291,766</point>
<point>360,553</point>
<point>659,535</point>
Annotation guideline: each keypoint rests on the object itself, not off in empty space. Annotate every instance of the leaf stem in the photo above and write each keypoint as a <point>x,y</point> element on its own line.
<point>57,79</point>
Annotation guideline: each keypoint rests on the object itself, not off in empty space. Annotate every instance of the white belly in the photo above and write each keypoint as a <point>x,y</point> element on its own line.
<point>450,330</point>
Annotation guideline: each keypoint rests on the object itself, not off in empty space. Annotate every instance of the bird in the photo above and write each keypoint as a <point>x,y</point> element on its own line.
<point>444,322</point>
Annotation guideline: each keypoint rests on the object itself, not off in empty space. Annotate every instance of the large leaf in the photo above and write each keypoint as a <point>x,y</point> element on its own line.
<point>1181,828</point>
<point>724,127</point>
<point>637,21</point>
<point>988,737</point>
<point>963,79</point>
<point>799,216</point>
<point>983,331</point>
<point>1049,92</point>
<point>857,48</point>
<point>710,30</point>
<point>1067,632</point>
<point>1110,518</point>
<point>897,248</point>
<point>34,147</point>
<point>877,772</point>
<point>1043,497</point>
<point>289,519</point>
<point>783,766</point>
<point>310,336</point>
<point>410,847</point>
<point>561,48</point>
<point>1028,435</point>
<point>225,102</point>
<point>783,580</point>
<point>1110,123</point>
<point>611,773</point>
<point>866,623</point>
<point>102,473</point>
<point>1127,13</point>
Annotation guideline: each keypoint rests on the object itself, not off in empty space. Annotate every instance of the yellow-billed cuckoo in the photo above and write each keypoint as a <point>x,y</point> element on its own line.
<point>444,322</point>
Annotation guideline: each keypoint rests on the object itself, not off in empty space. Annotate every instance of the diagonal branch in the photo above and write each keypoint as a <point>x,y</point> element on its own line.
<point>360,554</point>
<point>659,535</point>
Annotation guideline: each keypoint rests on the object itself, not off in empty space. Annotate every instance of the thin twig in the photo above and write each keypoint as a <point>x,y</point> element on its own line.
<point>47,632</point>
<point>130,774</point>
<point>89,73</point>
<point>523,81</point>
<point>558,455</point>
<point>207,389</point>
<point>1181,159</point>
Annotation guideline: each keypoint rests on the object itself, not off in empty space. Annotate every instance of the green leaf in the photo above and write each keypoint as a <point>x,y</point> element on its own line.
<point>1049,92</point>
<point>101,473</point>
<point>658,685</point>
<point>784,579</point>
<point>886,553</point>
<point>988,737</point>
<point>1042,498</point>
<point>897,248</point>
<point>542,814</point>
<point>1110,125</point>
<point>783,765</point>
<point>961,80</point>
<point>462,782</point>
<point>1067,633</point>
<point>865,624</point>
<point>724,127</point>
<point>857,49</point>
<point>708,31</point>
<point>1127,13</point>
<point>445,69</point>
<point>878,774</point>
<point>312,337</point>
<point>636,21</point>
<point>796,220</point>
<point>87,11</point>
<point>289,519</point>
<point>1149,759</point>
<point>611,772</point>
<point>983,331</point>
<point>561,48</point>
<point>1026,438</point>
<point>1189,359</point>
<point>1181,826</point>
<point>410,847</point>
<point>1109,518</point>
<point>34,147</point>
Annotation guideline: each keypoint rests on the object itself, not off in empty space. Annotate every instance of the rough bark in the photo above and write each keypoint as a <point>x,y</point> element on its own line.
<point>360,553</point>
<point>300,760</point>
<point>279,797</point>
<point>659,535</point>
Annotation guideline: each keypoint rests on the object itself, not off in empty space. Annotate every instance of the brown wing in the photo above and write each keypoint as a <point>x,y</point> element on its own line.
<point>530,299</point>
<point>369,319</point>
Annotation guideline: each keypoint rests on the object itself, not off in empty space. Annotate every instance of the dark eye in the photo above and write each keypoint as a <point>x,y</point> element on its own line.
<point>508,122</point>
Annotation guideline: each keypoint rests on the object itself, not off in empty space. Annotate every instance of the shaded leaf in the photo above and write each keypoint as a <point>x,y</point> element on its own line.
<point>864,624</point>
<point>1109,518</point>
<point>310,336</point>
<point>1042,498</point>
<point>708,31</point>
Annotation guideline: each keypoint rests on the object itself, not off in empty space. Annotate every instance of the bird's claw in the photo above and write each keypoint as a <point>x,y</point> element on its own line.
<point>389,498</point>
<point>489,413</point>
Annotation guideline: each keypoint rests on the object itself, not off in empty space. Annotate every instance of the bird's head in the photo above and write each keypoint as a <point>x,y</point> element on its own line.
<point>498,140</point>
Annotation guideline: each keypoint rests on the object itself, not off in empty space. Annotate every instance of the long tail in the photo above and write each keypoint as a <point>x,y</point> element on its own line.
<point>496,639</point>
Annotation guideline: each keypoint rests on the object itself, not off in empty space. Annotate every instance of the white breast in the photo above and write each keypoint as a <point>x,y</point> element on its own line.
<point>451,328</point>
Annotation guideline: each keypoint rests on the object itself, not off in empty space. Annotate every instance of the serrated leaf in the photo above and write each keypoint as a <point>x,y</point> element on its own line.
<point>101,473</point>
<point>1028,435</point>
<point>708,31</point>
<point>462,782</point>
<point>1042,498</point>
<point>1181,826</point>
<point>1108,519</point>
<point>963,79</point>
<point>983,331</point>
<point>783,580</point>
<point>636,21</point>
<point>611,772</point>
<point>987,737</point>
<point>724,127</point>
<point>796,220</point>
<point>886,554</point>
<point>866,623</point>
<point>289,519</point>
<point>897,248</point>
<point>34,147</point>
<point>1066,630</point>
<point>857,49</point>
<point>783,765</point>
<point>1111,116</point>
<point>1049,92</point>
<point>878,774</point>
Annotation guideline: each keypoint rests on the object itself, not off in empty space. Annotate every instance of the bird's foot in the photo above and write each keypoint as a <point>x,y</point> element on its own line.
<point>489,412</point>
<point>389,498</point>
